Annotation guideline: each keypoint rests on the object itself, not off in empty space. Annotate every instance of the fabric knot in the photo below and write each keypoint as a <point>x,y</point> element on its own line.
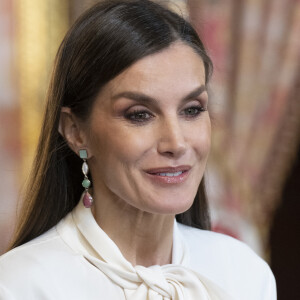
<point>154,278</point>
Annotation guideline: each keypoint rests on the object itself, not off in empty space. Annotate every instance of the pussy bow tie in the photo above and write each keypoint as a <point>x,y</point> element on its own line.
<point>172,281</point>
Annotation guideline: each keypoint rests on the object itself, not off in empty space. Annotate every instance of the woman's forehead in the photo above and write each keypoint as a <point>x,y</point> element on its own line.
<point>177,67</point>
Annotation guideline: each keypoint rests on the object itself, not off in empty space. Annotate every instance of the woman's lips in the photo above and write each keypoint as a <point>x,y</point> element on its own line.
<point>169,175</point>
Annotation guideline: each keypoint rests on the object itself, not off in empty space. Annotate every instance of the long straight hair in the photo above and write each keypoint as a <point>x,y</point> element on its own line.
<point>105,40</point>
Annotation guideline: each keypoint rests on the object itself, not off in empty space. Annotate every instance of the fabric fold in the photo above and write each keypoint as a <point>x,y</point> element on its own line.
<point>173,281</point>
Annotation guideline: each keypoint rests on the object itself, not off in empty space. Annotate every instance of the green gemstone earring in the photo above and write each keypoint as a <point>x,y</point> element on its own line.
<point>87,198</point>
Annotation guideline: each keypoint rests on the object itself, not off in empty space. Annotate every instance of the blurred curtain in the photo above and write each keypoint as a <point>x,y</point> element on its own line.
<point>30,31</point>
<point>255,107</point>
<point>40,28</point>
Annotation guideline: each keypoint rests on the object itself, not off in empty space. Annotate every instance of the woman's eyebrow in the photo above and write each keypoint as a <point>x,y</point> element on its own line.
<point>195,93</point>
<point>140,97</point>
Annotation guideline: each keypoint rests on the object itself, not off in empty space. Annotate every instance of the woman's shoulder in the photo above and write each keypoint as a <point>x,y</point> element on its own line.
<point>230,262</point>
<point>48,267</point>
<point>37,250</point>
<point>34,258</point>
<point>36,266</point>
<point>215,243</point>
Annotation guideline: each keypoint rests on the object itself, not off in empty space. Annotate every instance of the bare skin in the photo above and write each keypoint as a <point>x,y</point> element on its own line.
<point>148,139</point>
<point>138,244</point>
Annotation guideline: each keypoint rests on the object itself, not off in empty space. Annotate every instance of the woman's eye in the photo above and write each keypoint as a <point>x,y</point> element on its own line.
<point>138,116</point>
<point>193,111</point>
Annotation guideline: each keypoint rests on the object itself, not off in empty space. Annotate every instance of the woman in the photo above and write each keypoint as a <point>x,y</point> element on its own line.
<point>127,105</point>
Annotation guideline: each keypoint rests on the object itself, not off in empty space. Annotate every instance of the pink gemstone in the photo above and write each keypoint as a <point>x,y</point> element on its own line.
<point>87,200</point>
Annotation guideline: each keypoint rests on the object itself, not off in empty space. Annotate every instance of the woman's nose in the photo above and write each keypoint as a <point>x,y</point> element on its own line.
<point>171,141</point>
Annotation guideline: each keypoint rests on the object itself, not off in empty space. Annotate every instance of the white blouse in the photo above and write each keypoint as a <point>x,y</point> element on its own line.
<point>77,260</point>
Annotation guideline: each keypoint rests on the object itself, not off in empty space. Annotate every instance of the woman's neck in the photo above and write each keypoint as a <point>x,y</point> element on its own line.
<point>143,238</point>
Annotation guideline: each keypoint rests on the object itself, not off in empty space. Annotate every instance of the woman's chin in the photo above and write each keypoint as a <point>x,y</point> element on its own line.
<point>170,206</point>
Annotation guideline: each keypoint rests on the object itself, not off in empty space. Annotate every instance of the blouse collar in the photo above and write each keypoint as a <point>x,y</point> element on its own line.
<point>173,281</point>
<point>101,243</point>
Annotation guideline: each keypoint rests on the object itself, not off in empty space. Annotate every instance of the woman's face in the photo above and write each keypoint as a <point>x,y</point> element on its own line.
<point>149,133</point>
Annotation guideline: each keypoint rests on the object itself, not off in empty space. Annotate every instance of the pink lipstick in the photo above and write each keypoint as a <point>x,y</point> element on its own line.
<point>169,175</point>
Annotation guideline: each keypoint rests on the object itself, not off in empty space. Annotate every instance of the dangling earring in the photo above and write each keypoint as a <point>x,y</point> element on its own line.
<point>87,198</point>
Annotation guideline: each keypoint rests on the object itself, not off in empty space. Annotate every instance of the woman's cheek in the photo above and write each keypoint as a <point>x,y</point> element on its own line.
<point>129,143</point>
<point>200,138</point>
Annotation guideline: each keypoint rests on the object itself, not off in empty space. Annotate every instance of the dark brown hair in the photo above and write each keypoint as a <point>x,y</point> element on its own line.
<point>105,40</point>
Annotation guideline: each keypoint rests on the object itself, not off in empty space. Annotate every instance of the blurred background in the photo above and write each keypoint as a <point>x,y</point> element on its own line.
<point>253,177</point>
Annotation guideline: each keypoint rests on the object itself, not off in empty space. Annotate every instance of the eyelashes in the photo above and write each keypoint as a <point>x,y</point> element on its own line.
<point>193,111</point>
<point>141,116</point>
<point>138,116</point>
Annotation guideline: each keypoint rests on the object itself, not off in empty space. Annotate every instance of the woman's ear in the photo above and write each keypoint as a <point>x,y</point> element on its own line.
<point>69,128</point>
